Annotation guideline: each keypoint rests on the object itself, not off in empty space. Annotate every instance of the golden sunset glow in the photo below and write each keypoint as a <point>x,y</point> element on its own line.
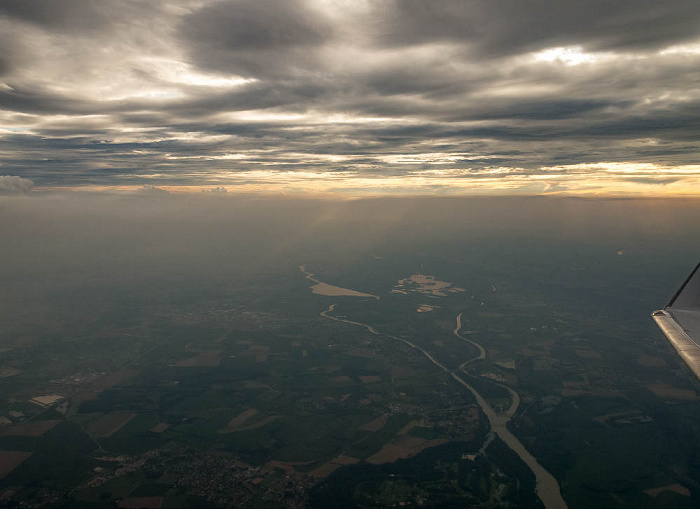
<point>350,97</point>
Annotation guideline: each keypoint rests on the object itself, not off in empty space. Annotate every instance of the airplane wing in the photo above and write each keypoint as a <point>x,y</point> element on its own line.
<point>680,321</point>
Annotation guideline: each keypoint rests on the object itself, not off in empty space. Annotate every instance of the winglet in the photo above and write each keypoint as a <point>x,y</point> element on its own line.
<point>680,321</point>
<point>679,339</point>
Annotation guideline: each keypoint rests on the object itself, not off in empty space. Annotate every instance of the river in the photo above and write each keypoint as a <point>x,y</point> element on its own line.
<point>547,488</point>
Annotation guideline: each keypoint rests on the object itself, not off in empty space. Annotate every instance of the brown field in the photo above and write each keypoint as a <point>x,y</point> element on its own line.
<point>337,291</point>
<point>109,424</point>
<point>667,391</point>
<point>676,488</point>
<point>9,460</point>
<point>376,424</point>
<point>403,447</point>
<point>369,379</point>
<point>284,466</point>
<point>8,371</point>
<point>344,459</point>
<point>343,379</point>
<point>287,466</point>
<point>160,427</point>
<point>651,361</point>
<point>141,502</point>
<point>239,420</point>
<point>260,423</point>
<point>407,428</point>
<point>328,468</point>
<point>238,423</point>
<point>29,429</point>
<point>261,357</point>
<point>604,418</point>
<point>116,378</point>
<point>205,359</point>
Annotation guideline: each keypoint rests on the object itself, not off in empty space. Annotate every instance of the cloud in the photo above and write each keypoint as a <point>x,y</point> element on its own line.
<point>64,15</point>
<point>12,184</point>
<point>216,190</point>
<point>503,27</point>
<point>150,190</point>
<point>209,92</point>
<point>654,180</point>
<point>254,38</point>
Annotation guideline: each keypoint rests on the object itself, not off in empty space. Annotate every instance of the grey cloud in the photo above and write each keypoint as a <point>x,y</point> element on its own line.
<point>216,190</point>
<point>11,51</point>
<point>150,190</point>
<point>250,37</point>
<point>654,181</point>
<point>12,184</point>
<point>502,27</point>
<point>64,15</point>
<point>442,77</point>
<point>92,17</point>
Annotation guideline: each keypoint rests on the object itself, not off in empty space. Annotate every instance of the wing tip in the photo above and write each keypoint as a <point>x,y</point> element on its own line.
<point>679,339</point>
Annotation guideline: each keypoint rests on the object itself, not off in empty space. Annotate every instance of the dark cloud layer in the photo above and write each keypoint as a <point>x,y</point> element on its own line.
<point>506,27</point>
<point>64,15</point>
<point>254,38</point>
<point>509,95</point>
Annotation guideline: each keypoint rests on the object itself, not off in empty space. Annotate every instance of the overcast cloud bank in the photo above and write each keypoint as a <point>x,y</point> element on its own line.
<point>351,97</point>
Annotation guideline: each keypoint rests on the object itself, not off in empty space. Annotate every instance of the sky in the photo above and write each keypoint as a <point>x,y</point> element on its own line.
<point>351,97</point>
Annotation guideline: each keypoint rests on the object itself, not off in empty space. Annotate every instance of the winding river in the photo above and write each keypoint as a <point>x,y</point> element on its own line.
<point>547,487</point>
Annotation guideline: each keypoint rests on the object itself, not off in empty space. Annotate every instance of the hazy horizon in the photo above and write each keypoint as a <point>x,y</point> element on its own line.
<point>347,253</point>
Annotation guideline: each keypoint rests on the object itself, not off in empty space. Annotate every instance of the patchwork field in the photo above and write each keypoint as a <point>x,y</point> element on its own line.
<point>9,460</point>
<point>207,358</point>
<point>403,447</point>
<point>28,429</point>
<point>108,424</point>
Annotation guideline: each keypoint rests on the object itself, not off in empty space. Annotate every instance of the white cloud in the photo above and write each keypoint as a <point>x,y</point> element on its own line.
<point>150,190</point>
<point>12,184</point>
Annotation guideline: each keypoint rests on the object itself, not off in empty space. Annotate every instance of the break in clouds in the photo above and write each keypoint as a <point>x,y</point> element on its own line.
<point>348,95</point>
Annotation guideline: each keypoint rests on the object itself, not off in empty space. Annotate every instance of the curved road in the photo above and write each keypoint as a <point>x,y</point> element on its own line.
<point>547,487</point>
